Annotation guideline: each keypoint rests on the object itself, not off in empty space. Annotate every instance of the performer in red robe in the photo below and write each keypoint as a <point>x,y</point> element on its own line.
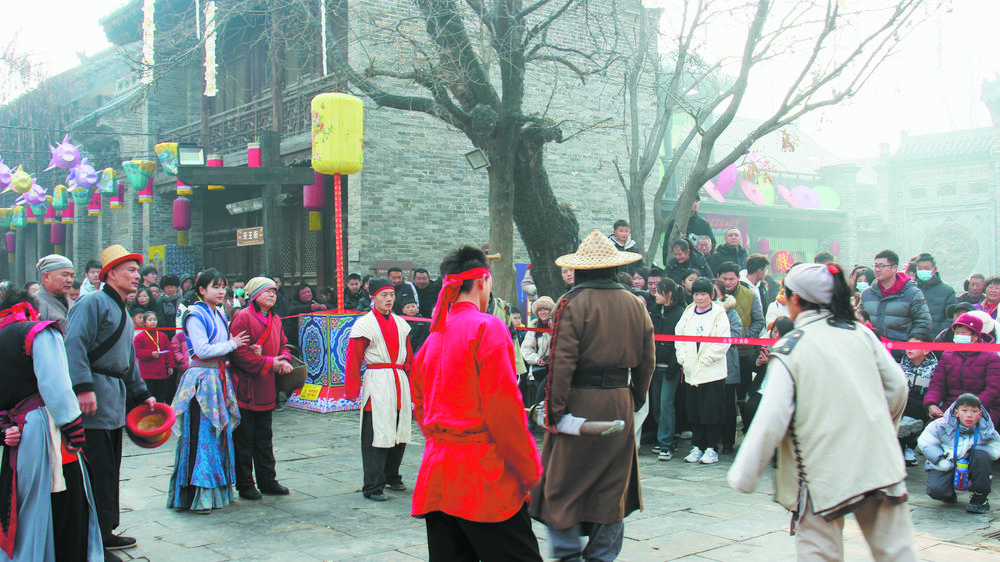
<point>380,340</point>
<point>479,461</point>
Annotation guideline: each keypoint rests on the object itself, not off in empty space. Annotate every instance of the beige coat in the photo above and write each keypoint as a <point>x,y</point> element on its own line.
<point>706,362</point>
<point>594,479</point>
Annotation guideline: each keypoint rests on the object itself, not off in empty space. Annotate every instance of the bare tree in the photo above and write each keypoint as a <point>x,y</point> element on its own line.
<point>469,64</point>
<point>828,52</point>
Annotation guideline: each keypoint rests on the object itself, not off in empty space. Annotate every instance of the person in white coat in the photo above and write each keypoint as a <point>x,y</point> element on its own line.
<point>705,370</point>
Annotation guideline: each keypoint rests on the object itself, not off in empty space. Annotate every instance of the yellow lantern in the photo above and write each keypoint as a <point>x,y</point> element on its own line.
<point>337,129</point>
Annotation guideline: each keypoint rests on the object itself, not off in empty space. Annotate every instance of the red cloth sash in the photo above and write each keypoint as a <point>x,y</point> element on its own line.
<point>8,471</point>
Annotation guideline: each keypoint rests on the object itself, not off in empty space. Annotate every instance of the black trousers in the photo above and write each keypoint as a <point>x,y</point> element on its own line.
<point>381,465</point>
<point>103,450</point>
<point>940,484</point>
<point>71,516</point>
<point>729,416</point>
<point>161,389</point>
<point>453,539</point>
<point>252,444</point>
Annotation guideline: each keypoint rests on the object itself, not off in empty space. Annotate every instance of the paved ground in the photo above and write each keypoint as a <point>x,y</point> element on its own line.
<point>690,513</point>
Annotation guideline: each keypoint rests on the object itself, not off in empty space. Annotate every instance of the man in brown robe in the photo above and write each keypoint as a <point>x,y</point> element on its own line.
<point>602,360</point>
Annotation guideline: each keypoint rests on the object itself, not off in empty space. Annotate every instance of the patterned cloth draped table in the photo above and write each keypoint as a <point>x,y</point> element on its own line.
<point>323,340</point>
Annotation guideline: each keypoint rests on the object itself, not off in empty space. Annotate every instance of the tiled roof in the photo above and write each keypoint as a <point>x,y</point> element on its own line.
<point>949,145</point>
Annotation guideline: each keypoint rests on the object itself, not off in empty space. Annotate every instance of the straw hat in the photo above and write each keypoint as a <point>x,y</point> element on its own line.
<point>597,252</point>
<point>114,255</point>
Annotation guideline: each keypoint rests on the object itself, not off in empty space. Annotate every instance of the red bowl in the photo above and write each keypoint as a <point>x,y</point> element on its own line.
<point>150,428</point>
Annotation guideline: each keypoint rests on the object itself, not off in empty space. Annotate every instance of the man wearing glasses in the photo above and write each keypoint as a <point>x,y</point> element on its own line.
<point>896,306</point>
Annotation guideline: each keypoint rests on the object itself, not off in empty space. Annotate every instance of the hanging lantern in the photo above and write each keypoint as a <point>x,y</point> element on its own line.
<point>20,180</point>
<point>58,235</point>
<point>117,199</point>
<point>314,199</point>
<point>146,195</point>
<point>60,197</point>
<point>764,246</point>
<point>337,127</point>
<point>106,181</point>
<point>68,214</point>
<point>182,219</point>
<point>10,237</point>
<point>253,154</point>
<point>50,216</point>
<point>167,153</point>
<point>29,215</point>
<point>19,218</point>
<point>5,215</point>
<point>81,195</point>
<point>5,175</point>
<point>215,161</point>
<point>138,172</point>
<point>94,207</point>
<point>184,189</point>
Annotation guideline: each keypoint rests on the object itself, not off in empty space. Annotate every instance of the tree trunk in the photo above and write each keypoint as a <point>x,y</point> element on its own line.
<point>547,228</point>
<point>501,199</point>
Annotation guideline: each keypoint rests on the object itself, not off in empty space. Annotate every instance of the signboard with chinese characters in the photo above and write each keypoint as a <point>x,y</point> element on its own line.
<point>250,236</point>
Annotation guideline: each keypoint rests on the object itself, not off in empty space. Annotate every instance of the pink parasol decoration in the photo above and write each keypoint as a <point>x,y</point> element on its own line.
<point>787,194</point>
<point>712,192</point>
<point>752,192</point>
<point>806,196</point>
<point>727,179</point>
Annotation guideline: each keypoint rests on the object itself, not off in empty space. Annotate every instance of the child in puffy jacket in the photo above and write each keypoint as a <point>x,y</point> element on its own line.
<point>965,432</point>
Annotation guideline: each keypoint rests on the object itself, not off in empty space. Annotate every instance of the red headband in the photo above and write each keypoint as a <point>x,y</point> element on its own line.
<point>450,288</point>
<point>18,313</point>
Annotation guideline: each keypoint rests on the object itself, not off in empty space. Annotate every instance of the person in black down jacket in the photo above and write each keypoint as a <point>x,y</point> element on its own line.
<point>938,294</point>
<point>670,299</point>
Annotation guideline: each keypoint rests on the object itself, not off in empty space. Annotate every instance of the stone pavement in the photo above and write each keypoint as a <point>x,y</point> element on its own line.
<point>690,512</point>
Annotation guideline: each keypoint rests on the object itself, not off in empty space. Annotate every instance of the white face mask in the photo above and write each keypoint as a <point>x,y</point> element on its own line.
<point>963,338</point>
<point>861,286</point>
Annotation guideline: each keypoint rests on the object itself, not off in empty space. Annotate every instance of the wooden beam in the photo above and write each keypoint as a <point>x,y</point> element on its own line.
<point>246,177</point>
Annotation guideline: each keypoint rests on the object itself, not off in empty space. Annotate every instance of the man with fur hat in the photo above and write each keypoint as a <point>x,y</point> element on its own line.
<point>102,366</point>
<point>602,360</point>
<point>380,340</point>
<point>827,380</point>
<point>480,461</point>
<point>57,279</point>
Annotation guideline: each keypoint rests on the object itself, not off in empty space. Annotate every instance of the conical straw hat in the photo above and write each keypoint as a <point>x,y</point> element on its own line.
<point>597,252</point>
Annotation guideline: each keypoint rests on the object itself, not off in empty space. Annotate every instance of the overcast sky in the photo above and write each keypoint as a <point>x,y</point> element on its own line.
<point>932,85</point>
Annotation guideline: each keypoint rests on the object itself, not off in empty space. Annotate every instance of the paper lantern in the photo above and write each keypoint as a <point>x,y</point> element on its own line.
<point>68,214</point>
<point>215,161</point>
<point>21,181</point>
<point>10,237</point>
<point>138,172</point>
<point>764,246</point>
<point>94,207</point>
<point>253,154</point>
<point>29,215</point>
<point>117,199</point>
<point>64,155</point>
<point>146,195</point>
<point>182,213</point>
<point>19,218</point>
<point>337,134</point>
<point>50,216</point>
<point>85,175</point>
<point>34,196</point>
<point>835,248</point>
<point>314,199</point>
<point>57,235</point>
<point>183,188</point>
<point>167,153</point>
<point>60,198</point>
<point>5,175</point>
<point>106,181</point>
<point>5,215</point>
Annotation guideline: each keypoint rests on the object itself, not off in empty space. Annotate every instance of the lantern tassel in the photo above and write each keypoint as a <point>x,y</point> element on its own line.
<point>315,220</point>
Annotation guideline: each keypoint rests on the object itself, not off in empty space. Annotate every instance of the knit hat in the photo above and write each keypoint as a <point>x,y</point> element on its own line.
<point>258,285</point>
<point>405,300</point>
<point>545,302</point>
<point>53,262</point>
<point>379,284</point>
<point>114,255</point>
<point>971,322</point>
<point>597,251</point>
<point>812,281</point>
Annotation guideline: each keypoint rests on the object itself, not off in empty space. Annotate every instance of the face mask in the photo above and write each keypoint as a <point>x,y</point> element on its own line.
<point>963,338</point>
<point>924,274</point>
<point>861,286</point>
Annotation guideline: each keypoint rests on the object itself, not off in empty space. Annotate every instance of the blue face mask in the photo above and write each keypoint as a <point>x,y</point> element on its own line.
<point>861,286</point>
<point>924,274</point>
<point>963,338</point>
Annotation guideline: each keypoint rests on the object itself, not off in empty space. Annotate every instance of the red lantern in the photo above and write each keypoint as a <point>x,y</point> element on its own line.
<point>67,214</point>
<point>183,189</point>
<point>182,219</point>
<point>58,235</point>
<point>11,239</point>
<point>30,215</point>
<point>215,161</point>
<point>117,199</point>
<point>50,216</point>
<point>314,199</point>
<point>253,154</point>
<point>94,207</point>
<point>764,246</point>
<point>146,195</point>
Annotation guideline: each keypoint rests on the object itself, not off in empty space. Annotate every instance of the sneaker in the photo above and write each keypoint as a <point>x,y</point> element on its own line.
<point>118,542</point>
<point>694,455</point>
<point>978,504</point>
<point>909,456</point>
<point>656,448</point>
<point>398,487</point>
<point>251,494</point>
<point>665,455</point>
<point>710,456</point>
<point>685,435</point>
<point>909,426</point>
<point>379,497</point>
